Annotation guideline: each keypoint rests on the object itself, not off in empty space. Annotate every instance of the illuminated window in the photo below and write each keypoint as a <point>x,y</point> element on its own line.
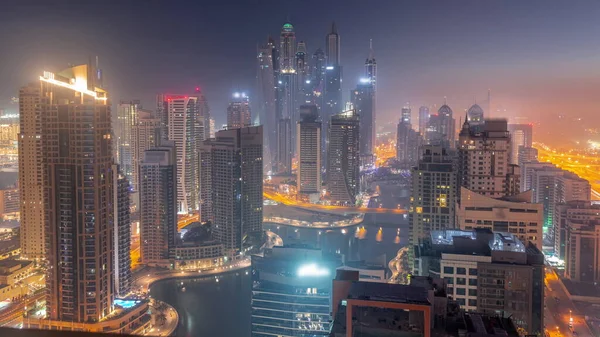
<point>419,210</point>
<point>443,200</point>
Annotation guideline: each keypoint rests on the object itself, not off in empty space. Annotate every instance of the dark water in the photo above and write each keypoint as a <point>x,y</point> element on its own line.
<point>212,309</point>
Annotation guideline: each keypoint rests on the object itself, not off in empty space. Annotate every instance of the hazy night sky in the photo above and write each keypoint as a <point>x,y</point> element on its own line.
<point>539,58</point>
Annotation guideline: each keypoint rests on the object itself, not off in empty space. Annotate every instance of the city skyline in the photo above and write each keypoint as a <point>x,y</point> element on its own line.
<point>466,68</point>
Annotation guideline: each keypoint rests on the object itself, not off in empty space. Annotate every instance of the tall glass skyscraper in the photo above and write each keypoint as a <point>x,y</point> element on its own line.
<point>343,158</point>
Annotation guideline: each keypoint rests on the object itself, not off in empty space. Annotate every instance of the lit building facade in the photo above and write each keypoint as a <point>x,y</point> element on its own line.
<point>343,158</point>
<point>127,116</point>
<point>433,194</point>
<point>582,248</point>
<point>284,146</point>
<point>31,172</point>
<point>515,215</point>
<point>158,203</point>
<point>78,195</point>
<point>266,101</point>
<point>122,233</point>
<point>475,116</point>
<point>408,143</point>
<point>291,292</point>
<point>484,160</point>
<point>182,117</point>
<point>236,185</point>
<point>423,120</point>
<point>525,155</point>
<point>238,112</point>
<point>441,128</point>
<point>575,211</point>
<point>308,174</point>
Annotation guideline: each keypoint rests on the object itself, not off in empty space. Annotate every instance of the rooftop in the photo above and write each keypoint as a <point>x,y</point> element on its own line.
<point>388,292</point>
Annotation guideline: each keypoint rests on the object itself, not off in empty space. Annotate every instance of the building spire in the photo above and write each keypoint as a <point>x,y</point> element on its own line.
<point>371,53</point>
<point>445,102</point>
<point>333,28</point>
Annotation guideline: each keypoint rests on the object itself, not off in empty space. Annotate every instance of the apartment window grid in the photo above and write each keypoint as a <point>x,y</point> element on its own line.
<point>461,280</point>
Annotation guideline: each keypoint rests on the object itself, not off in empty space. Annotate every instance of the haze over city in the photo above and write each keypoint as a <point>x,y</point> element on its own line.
<point>535,56</point>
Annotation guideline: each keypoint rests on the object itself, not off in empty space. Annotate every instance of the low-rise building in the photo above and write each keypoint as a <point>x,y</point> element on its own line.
<point>11,273</point>
<point>512,214</point>
<point>488,272</point>
<point>9,204</point>
<point>197,256</point>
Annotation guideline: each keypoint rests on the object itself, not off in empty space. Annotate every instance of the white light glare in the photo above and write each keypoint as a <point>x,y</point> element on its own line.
<point>312,270</point>
<point>365,80</point>
<point>236,95</point>
<point>307,81</point>
<point>329,68</point>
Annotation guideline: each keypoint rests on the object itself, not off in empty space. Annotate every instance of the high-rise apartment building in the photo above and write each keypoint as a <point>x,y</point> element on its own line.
<point>550,186</point>
<point>266,102</point>
<point>483,160</point>
<point>363,99</point>
<point>515,214</point>
<point>182,117</point>
<point>423,120</point>
<point>308,174</point>
<point>408,142</point>
<point>572,212</point>
<point>126,117</point>
<point>433,194</point>
<point>582,247</point>
<point>158,203</point>
<point>405,115</point>
<point>238,112</point>
<point>520,135</point>
<point>488,272</point>
<point>31,172</point>
<point>284,146</point>
<point>343,158</point>
<point>145,134</point>
<point>236,184</point>
<point>122,233</point>
<point>525,155</point>
<point>78,195</point>
<point>287,83</point>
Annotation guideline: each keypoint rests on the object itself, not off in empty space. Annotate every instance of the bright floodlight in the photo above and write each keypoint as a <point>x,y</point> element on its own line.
<point>329,67</point>
<point>236,95</point>
<point>312,270</point>
<point>365,80</point>
<point>307,81</point>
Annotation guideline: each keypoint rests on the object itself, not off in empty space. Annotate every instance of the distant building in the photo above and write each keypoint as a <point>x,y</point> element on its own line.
<point>423,120</point>
<point>580,212</point>
<point>145,134</point>
<point>291,292</point>
<point>515,215</point>
<point>488,272</point>
<point>284,146</point>
<point>343,158</point>
<point>475,116</point>
<point>405,116</point>
<point>126,117</point>
<point>308,174</point>
<point>266,101</point>
<point>441,128</point>
<point>433,194</point>
<point>520,135</point>
<point>525,155</point>
<point>158,203</point>
<point>238,112</point>
<point>363,100</point>
<point>236,186</point>
<point>483,160</point>
<point>9,203</point>
<point>408,143</point>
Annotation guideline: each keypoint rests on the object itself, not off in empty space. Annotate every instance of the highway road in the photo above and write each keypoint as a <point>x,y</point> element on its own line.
<point>559,310</point>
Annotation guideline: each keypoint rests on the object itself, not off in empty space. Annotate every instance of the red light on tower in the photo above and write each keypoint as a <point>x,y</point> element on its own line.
<point>197,89</point>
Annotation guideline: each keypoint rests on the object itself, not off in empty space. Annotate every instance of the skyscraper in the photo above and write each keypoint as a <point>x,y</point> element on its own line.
<point>441,127</point>
<point>158,203</point>
<point>287,82</point>
<point>238,112</point>
<point>127,115</point>
<point>363,99</point>
<point>483,160</point>
<point>332,46</point>
<point>343,158</point>
<point>408,143</point>
<point>122,233</point>
<point>145,134</point>
<point>236,185</point>
<point>287,49</point>
<point>423,120</point>
<point>520,135</point>
<point>308,174</point>
<point>406,114</point>
<point>79,195</point>
<point>371,66</point>
<point>31,169</point>
<point>267,103</point>
<point>433,194</point>
<point>284,146</point>
<point>184,125</point>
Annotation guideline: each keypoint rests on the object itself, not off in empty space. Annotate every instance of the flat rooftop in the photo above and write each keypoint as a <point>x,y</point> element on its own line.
<point>387,292</point>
